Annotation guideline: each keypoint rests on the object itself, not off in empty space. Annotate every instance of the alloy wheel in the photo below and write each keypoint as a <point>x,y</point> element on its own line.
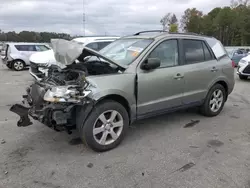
<point>216,100</point>
<point>18,65</point>
<point>108,127</point>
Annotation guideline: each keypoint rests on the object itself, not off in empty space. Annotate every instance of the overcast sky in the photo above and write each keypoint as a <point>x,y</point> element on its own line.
<point>117,17</point>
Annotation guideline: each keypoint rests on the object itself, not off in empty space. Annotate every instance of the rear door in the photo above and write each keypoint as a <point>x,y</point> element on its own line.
<point>201,69</point>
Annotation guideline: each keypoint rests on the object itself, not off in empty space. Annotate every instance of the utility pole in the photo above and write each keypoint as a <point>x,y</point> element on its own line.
<point>83,19</point>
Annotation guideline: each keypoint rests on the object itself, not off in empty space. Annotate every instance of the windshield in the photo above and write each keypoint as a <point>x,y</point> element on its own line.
<point>125,51</point>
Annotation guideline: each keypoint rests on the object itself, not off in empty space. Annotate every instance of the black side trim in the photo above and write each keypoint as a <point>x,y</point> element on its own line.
<point>169,110</point>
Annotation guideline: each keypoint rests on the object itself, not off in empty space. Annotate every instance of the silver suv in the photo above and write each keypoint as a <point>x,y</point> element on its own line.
<point>133,78</point>
<point>17,54</point>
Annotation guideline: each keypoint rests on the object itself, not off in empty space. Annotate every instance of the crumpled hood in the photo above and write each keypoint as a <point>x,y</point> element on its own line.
<point>66,52</point>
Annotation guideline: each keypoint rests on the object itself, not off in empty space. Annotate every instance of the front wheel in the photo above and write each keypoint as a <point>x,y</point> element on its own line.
<point>105,127</point>
<point>214,101</point>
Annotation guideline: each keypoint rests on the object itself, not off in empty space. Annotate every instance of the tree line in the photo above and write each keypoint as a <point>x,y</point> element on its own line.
<point>230,24</point>
<point>31,36</point>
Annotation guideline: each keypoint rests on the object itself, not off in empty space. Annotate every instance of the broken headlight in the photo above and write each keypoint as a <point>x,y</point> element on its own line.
<point>65,94</point>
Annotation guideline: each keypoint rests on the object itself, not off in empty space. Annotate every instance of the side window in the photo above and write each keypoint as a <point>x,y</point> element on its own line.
<point>93,45</point>
<point>25,47</point>
<point>20,48</point>
<point>31,48</point>
<point>41,48</point>
<point>207,53</point>
<point>193,51</point>
<point>167,52</point>
<point>101,45</point>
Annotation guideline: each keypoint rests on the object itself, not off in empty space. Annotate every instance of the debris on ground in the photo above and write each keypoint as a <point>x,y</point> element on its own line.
<point>185,167</point>
<point>215,143</point>
<point>194,146</point>
<point>3,141</point>
<point>90,165</point>
<point>192,123</point>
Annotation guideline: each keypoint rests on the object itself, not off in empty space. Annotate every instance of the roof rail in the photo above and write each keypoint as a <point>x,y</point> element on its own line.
<point>190,33</point>
<point>149,31</point>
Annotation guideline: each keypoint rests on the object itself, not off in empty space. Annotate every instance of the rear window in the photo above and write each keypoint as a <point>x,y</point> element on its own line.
<point>97,45</point>
<point>218,49</point>
<point>41,48</point>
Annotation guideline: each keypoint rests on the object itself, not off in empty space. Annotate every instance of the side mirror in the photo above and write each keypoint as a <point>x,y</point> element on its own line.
<point>151,63</point>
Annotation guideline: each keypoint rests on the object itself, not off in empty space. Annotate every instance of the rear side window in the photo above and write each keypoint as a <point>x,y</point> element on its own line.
<point>217,48</point>
<point>193,51</point>
<point>25,47</point>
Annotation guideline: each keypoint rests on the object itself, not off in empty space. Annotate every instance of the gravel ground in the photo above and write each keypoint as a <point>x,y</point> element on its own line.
<point>158,152</point>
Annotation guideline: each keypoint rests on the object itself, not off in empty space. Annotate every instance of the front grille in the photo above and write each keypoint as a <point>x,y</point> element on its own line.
<point>247,70</point>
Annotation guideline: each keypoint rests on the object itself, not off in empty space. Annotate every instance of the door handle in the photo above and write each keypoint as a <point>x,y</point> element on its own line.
<point>178,76</point>
<point>214,69</point>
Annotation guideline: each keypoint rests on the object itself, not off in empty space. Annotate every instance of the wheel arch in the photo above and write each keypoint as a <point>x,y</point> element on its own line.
<point>18,59</point>
<point>223,83</point>
<point>120,99</point>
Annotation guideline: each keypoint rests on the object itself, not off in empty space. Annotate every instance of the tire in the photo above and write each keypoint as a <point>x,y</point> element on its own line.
<point>18,65</point>
<point>242,77</point>
<point>207,107</point>
<point>95,142</point>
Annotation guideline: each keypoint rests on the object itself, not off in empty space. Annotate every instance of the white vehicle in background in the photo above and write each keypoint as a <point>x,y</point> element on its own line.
<point>16,54</point>
<point>41,61</point>
<point>243,69</point>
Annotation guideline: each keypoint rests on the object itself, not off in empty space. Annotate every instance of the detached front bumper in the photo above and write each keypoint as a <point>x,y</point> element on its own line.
<point>58,116</point>
<point>23,112</point>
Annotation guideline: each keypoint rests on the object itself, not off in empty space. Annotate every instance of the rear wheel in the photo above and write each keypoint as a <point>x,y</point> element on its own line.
<point>105,127</point>
<point>18,65</point>
<point>242,77</point>
<point>214,101</point>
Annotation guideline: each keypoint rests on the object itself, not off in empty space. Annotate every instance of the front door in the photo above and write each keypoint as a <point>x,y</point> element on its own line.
<point>162,88</point>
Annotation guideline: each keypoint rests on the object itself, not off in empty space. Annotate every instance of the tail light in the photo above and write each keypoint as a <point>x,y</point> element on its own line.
<point>233,64</point>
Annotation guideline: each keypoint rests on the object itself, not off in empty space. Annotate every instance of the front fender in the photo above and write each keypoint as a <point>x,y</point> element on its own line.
<point>97,95</point>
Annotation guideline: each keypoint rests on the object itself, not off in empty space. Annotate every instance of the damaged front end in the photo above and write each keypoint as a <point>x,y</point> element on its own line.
<point>62,99</point>
<point>55,100</point>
